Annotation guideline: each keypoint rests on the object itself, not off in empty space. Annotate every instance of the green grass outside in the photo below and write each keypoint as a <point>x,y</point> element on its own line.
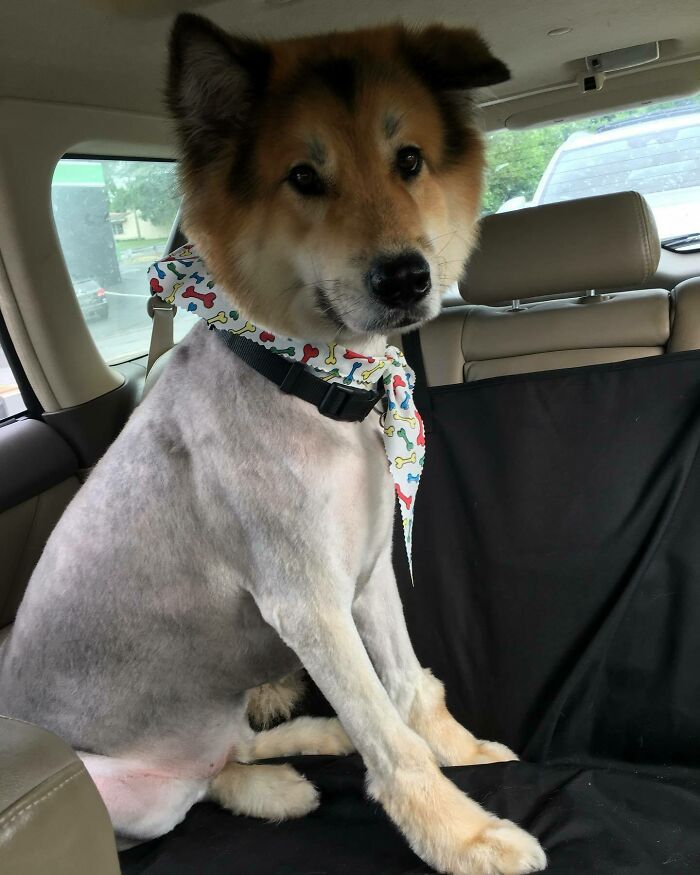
<point>157,243</point>
<point>139,251</point>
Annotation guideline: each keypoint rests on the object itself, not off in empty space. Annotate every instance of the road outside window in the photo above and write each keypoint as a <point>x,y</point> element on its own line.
<point>113,219</point>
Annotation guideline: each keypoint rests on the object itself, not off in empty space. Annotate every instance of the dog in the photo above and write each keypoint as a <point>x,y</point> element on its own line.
<point>232,534</point>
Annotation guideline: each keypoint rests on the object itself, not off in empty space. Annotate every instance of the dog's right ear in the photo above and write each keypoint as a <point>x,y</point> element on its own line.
<point>214,82</point>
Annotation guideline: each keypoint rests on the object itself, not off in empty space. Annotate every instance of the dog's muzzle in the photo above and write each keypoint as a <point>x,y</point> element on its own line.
<point>400,281</point>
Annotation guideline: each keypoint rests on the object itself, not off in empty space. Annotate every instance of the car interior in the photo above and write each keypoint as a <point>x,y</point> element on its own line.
<point>577,316</point>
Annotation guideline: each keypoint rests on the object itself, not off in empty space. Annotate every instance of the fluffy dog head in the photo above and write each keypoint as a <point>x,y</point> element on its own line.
<point>332,183</point>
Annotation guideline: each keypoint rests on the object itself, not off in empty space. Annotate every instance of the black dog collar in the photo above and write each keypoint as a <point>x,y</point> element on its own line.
<point>334,400</point>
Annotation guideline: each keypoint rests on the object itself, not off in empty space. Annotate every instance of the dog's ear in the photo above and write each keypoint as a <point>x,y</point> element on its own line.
<point>453,59</point>
<point>214,82</point>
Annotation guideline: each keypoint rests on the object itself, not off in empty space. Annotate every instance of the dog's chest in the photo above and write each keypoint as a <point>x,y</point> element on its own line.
<point>327,485</point>
<point>288,475</point>
<point>348,492</point>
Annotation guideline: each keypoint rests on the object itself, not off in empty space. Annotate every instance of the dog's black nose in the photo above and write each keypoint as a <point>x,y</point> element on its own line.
<point>400,280</point>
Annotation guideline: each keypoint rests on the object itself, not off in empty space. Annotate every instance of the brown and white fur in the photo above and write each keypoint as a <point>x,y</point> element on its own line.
<point>332,185</point>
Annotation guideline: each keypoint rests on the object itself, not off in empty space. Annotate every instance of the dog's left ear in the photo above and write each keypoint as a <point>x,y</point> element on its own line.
<point>453,59</point>
<point>214,82</point>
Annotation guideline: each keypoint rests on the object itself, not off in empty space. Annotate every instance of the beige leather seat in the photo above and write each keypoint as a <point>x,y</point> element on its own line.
<point>52,819</point>
<point>685,333</point>
<point>564,252</point>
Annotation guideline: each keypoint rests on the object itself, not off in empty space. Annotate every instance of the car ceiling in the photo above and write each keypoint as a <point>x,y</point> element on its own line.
<point>111,53</point>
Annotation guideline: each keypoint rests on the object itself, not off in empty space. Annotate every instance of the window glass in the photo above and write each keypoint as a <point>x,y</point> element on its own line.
<point>11,402</point>
<point>113,219</point>
<point>654,150</point>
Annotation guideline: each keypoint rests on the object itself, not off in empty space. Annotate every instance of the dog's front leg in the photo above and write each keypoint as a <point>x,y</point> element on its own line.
<point>419,697</point>
<point>443,826</point>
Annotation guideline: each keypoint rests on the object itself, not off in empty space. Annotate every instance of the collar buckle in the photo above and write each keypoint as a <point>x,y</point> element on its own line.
<point>335,400</point>
<point>338,396</point>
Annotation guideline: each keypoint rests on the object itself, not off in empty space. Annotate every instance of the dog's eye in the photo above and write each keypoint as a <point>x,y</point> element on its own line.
<point>305,180</point>
<point>409,161</point>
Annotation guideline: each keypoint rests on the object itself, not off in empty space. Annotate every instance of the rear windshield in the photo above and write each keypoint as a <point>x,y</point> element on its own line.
<point>650,162</point>
<point>654,149</point>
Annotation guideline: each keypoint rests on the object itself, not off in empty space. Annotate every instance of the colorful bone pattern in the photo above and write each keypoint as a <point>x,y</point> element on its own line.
<point>310,352</point>
<point>220,317</point>
<point>349,354</point>
<point>404,438</point>
<point>177,273</point>
<point>350,378</point>
<point>407,499</point>
<point>378,367</point>
<point>402,434</point>
<point>411,420</point>
<point>248,328</point>
<point>420,440</point>
<point>207,298</point>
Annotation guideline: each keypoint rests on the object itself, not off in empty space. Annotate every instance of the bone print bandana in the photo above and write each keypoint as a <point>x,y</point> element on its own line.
<point>182,279</point>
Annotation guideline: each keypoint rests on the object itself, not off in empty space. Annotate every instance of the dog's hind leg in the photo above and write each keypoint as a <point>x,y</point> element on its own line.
<point>275,700</point>
<point>304,735</point>
<point>142,803</point>
<point>270,792</point>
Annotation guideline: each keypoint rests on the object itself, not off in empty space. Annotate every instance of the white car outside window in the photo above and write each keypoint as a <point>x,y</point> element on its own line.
<point>654,150</point>
<point>658,157</point>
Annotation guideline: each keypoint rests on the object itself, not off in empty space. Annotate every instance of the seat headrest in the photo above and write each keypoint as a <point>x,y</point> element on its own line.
<point>606,242</point>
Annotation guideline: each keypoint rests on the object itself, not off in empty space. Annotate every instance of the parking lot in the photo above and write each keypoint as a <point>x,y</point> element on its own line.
<point>125,333</point>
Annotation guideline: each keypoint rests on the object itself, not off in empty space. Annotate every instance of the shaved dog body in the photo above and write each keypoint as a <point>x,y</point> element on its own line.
<point>332,185</point>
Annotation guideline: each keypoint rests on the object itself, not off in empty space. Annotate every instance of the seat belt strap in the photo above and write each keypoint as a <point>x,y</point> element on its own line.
<point>162,338</point>
<point>413,351</point>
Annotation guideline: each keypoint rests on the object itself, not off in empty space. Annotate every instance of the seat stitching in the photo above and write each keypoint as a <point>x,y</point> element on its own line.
<point>644,228</point>
<point>5,820</point>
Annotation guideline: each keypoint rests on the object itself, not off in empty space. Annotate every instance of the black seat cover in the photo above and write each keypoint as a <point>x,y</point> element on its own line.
<point>557,593</point>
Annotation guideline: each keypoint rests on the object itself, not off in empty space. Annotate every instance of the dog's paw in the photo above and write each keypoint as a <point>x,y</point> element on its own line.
<point>306,736</point>
<point>450,831</point>
<point>333,740</point>
<point>502,849</point>
<point>291,796</point>
<point>269,792</point>
<point>492,752</point>
<point>275,701</point>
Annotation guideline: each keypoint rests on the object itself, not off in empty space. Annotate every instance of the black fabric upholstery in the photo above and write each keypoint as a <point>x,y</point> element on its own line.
<point>590,819</point>
<point>557,560</point>
<point>557,593</point>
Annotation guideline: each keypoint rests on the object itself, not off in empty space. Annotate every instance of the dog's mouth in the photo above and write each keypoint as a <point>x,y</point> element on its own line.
<point>399,321</point>
<point>328,310</point>
<point>387,319</point>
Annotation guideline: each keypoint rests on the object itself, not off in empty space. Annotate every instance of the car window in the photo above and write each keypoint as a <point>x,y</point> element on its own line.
<point>11,402</point>
<point>654,150</point>
<point>113,218</point>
